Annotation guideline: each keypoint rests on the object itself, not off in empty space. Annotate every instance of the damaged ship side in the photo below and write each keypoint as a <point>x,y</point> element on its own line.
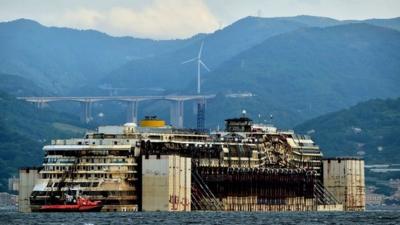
<point>246,167</point>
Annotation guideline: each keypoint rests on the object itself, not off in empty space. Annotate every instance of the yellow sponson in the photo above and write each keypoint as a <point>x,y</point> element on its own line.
<point>152,123</point>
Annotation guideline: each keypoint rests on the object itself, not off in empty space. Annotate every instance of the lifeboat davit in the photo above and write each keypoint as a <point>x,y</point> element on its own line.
<point>81,205</point>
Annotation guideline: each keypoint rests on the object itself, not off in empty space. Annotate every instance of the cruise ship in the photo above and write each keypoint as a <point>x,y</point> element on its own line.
<point>155,167</point>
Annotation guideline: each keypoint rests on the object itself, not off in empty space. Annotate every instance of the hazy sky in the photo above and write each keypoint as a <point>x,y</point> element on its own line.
<point>165,19</point>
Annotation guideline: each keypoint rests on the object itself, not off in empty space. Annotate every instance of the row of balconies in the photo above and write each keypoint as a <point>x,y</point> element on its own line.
<point>87,168</point>
<point>233,162</point>
<point>91,159</point>
<point>95,175</point>
<point>91,141</point>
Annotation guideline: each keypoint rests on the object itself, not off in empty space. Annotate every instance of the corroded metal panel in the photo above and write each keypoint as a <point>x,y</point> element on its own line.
<point>155,182</point>
<point>166,183</point>
<point>344,177</point>
<point>28,177</point>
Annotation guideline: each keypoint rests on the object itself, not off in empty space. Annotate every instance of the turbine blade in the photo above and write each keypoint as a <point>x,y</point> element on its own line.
<point>190,60</point>
<point>201,49</point>
<point>204,65</point>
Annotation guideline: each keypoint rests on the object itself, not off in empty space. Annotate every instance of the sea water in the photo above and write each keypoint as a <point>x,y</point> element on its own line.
<point>253,218</point>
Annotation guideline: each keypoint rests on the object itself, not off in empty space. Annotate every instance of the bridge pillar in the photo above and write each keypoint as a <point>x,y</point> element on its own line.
<point>133,111</point>
<point>40,104</point>
<point>177,114</point>
<point>86,114</point>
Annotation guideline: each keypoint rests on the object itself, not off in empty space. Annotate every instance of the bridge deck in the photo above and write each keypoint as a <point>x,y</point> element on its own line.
<point>114,98</point>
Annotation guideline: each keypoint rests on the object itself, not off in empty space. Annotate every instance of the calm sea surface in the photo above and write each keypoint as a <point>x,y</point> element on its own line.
<point>298,218</point>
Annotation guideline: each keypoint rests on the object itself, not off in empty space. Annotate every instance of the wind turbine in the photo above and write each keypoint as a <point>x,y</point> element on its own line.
<point>200,63</point>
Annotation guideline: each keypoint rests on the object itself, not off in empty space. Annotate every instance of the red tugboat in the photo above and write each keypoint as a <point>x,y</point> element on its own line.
<point>81,205</point>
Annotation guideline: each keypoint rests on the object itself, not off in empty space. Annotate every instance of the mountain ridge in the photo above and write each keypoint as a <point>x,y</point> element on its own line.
<point>59,58</point>
<point>43,54</point>
<point>369,129</point>
<point>23,132</point>
<point>296,62</point>
<point>356,53</point>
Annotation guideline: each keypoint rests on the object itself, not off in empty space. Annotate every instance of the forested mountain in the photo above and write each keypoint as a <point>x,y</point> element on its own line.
<point>59,59</point>
<point>389,23</point>
<point>370,129</point>
<point>311,71</point>
<point>20,86</point>
<point>166,71</point>
<point>63,60</point>
<point>23,132</point>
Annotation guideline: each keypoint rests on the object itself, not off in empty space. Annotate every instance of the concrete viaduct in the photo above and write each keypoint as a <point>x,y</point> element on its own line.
<point>131,101</point>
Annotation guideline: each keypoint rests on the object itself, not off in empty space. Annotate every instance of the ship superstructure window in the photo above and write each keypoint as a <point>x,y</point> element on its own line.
<point>242,124</point>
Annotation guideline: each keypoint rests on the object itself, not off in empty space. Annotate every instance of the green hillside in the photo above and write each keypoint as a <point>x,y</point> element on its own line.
<point>370,129</point>
<point>296,73</point>
<point>60,59</point>
<point>20,86</point>
<point>389,23</point>
<point>309,72</point>
<point>298,67</point>
<point>165,71</point>
<point>23,132</point>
